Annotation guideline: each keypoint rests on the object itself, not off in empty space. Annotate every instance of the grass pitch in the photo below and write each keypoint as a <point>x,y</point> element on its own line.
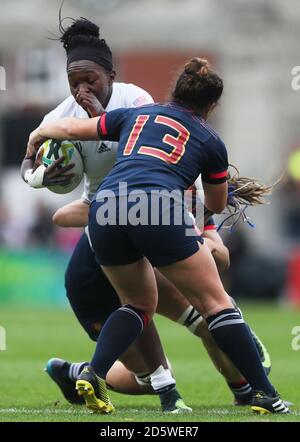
<point>34,336</point>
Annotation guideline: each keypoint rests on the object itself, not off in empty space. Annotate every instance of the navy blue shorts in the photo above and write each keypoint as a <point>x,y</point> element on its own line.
<point>163,245</point>
<point>90,294</point>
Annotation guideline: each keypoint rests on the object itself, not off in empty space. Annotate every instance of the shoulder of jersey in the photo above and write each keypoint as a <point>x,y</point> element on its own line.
<point>209,129</point>
<point>133,96</point>
<point>67,105</point>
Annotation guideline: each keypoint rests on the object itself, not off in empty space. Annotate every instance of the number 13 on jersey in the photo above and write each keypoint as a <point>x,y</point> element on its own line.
<point>177,143</point>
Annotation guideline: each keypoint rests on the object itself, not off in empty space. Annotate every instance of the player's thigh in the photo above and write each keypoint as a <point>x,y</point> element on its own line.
<point>198,279</point>
<point>135,284</point>
<point>171,302</point>
<point>128,271</point>
<point>110,241</point>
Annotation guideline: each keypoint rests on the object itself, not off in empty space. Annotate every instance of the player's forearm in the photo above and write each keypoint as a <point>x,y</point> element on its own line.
<point>222,259</point>
<point>218,250</point>
<point>70,129</point>
<point>220,254</point>
<point>215,196</point>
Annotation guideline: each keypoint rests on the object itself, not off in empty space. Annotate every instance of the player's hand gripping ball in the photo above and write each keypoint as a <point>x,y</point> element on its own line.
<point>58,156</point>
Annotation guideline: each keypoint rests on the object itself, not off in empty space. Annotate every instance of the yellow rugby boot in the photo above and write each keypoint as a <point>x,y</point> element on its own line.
<point>93,389</point>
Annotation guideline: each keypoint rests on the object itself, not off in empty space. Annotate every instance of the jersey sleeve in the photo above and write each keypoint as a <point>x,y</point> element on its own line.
<point>216,162</point>
<point>110,124</point>
<point>210,224</point>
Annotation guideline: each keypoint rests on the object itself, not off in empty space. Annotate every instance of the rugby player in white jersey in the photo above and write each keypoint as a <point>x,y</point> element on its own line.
<point>144,367</point>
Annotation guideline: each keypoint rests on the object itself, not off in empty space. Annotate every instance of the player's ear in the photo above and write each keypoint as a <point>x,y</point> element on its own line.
<point>112,76</point>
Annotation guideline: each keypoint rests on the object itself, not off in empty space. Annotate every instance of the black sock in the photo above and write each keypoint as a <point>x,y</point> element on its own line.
<point>119,331</point>
<point>242,391</point>
<point>168,398</point>
<point>168,394</point>
<point>164,390</point>
<point>233,337</point>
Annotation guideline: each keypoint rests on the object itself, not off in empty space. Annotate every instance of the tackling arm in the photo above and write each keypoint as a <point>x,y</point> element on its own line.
<point>63,129</point>
<point>218,250</point>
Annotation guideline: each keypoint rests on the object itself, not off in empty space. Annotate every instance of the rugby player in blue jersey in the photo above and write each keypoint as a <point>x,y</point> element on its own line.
<point>162,150</point>
<point>92,297</point>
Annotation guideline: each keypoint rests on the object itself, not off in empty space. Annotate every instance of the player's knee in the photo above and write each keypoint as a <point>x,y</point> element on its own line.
<point>59,218</point>
<point>147,307</point>
<point>149,312</point>
<point>144,311</point>
<point>93,330</point>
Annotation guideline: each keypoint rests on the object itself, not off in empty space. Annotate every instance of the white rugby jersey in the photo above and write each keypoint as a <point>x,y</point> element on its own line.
<point>99,156</point>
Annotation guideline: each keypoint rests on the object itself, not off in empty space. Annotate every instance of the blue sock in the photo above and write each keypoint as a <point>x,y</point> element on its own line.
<point>120,330</point>
<point>233,337</point>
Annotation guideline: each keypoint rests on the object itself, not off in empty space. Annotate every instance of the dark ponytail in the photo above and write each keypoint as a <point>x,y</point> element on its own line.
<point>198,86</point>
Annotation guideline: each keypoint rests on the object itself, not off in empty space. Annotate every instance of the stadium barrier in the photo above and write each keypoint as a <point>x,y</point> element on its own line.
<point>32,277</point>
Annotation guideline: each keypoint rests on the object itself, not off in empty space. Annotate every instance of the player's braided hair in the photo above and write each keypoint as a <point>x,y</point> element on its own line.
<point>246,190</point>
<point>198,85</point>
<point>242,193</point>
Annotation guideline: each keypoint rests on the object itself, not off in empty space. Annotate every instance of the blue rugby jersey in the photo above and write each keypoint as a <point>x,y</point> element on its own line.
<point>162,146</point>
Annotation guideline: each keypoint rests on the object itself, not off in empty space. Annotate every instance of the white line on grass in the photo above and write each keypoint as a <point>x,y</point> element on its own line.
<point>49,411</point>
<point>85,412</point>
<point>44,411</point>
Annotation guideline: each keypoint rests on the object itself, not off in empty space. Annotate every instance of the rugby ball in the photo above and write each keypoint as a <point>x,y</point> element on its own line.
<point>52,150</point>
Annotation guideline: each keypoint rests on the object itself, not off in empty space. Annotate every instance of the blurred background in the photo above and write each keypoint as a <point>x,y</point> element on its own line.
<point>253,44</point>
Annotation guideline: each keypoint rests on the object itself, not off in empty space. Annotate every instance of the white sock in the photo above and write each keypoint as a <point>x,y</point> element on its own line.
<point>190,318</point>
<point>161,378</point>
